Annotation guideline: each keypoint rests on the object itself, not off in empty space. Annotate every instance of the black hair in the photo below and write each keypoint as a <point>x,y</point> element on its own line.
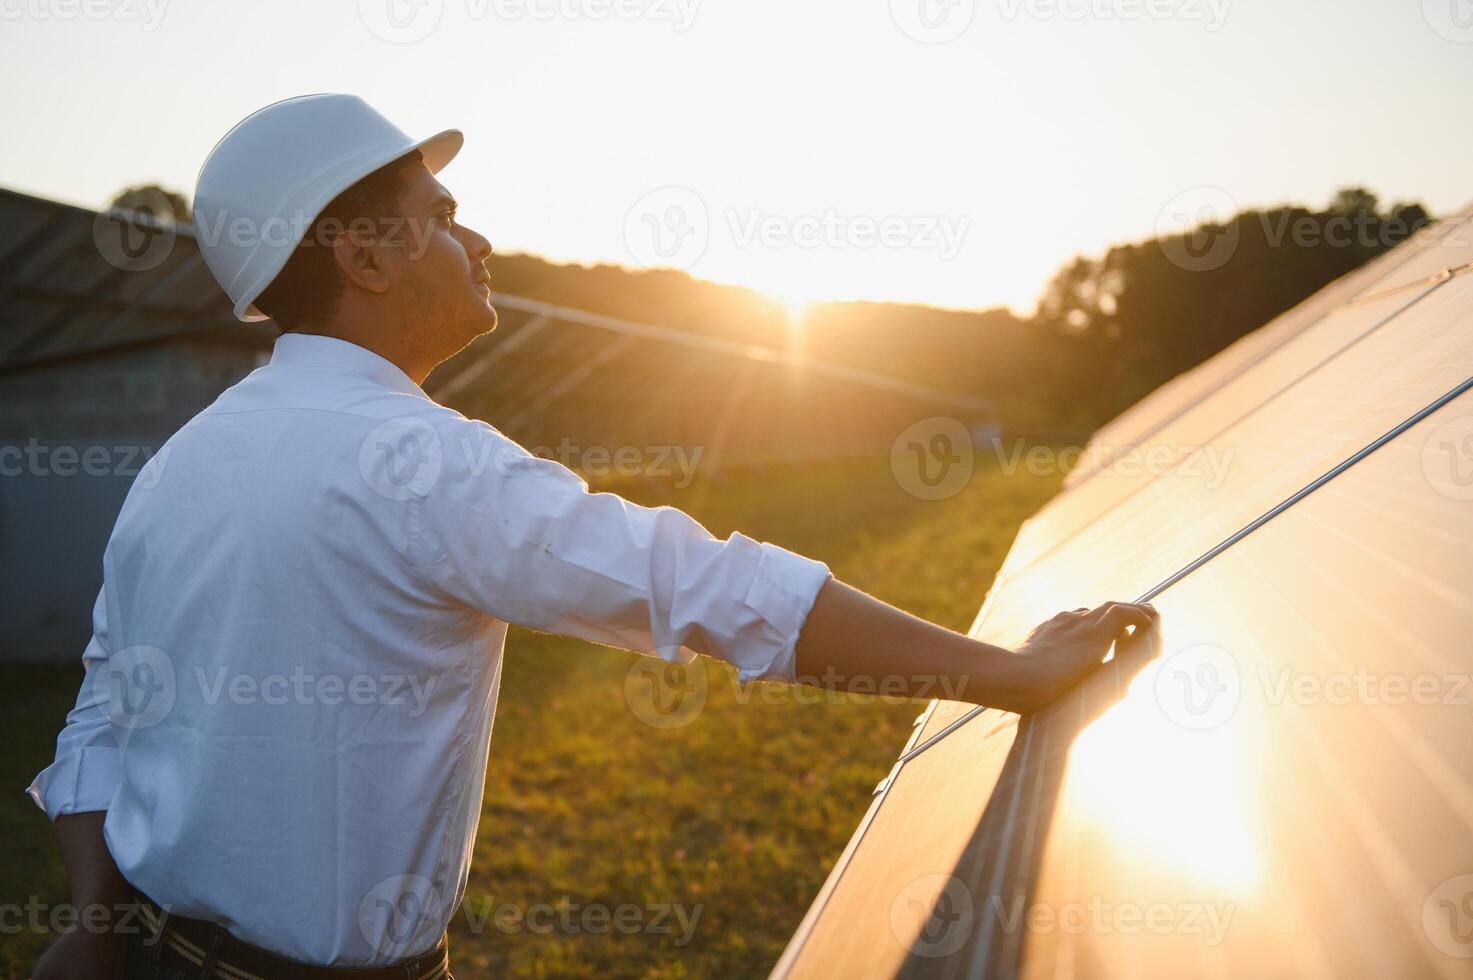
<point>307,290</point>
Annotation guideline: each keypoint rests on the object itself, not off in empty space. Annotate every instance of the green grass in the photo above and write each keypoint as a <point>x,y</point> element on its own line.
<point>739,814</point>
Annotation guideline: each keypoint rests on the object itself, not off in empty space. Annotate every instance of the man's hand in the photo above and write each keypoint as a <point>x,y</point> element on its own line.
<point>95,883</point>
<point>853,642</point>
<point>1062,651</point>
<point>81,953</point>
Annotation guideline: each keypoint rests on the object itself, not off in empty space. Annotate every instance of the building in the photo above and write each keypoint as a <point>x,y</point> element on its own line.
<point>112,335</point>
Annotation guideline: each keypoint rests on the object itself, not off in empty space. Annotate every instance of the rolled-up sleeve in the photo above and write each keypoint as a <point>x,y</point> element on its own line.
<point>85,774</point>
<point>523,539</point>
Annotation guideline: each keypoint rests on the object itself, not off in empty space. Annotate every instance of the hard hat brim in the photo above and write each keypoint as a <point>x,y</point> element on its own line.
<point>437,152</point>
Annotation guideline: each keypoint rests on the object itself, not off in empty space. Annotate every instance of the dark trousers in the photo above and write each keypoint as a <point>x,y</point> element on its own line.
<point>170,947</point>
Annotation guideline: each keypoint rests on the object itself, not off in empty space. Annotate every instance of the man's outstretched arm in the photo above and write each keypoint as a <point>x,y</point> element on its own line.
<point>854,642</point>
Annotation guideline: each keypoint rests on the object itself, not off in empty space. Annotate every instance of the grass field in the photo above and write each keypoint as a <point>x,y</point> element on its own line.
<point>735,818</point>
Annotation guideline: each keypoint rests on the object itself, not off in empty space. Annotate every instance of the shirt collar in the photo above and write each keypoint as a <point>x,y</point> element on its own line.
<point>341,355</point>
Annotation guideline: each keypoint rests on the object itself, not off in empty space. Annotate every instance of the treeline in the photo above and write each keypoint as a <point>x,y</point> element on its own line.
<point>1107,330</point>
<point>1144,313</point>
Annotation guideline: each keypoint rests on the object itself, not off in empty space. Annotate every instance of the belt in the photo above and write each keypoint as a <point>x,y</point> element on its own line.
<point>213,953</point>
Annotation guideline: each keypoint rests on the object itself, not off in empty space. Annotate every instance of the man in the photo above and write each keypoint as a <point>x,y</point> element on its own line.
<point>324,540</point>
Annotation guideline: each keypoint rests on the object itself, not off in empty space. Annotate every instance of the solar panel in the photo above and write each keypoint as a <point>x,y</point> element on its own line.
<point>1251,465</point>
<point>1442,246</point>
<point>1320,348</point>
<point>1281,784</point>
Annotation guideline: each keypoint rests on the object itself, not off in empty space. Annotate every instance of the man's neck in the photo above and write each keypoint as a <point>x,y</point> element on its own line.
<point>415,368</point>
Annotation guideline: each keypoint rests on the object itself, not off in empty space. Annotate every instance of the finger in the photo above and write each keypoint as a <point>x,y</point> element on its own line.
<point>1100,612</point>
<point>1121,615</point>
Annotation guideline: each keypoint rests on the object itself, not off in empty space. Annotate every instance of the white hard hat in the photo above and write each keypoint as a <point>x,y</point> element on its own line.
<point>267,180</point>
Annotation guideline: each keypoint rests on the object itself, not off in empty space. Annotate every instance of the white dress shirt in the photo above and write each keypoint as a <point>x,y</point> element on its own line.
<point>298,642</point>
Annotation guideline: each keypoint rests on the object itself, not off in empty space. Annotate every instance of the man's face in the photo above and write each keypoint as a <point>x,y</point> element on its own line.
<point>439,273</point>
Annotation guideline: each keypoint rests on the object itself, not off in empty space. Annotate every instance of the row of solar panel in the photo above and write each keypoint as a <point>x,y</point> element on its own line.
<point>1284,787</point>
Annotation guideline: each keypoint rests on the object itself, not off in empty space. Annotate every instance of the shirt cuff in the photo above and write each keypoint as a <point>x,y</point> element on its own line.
<point>83,781</point>
<point>782,593</point>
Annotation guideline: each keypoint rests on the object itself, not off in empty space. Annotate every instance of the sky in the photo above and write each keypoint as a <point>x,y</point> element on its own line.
<point>949,152</point>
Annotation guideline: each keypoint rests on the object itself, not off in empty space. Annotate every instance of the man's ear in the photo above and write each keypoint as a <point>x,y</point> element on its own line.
<point>360,260</point>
